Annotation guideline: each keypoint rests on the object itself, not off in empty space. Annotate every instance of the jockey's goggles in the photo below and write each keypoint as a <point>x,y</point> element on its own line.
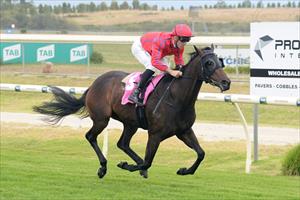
<point>184,39</point>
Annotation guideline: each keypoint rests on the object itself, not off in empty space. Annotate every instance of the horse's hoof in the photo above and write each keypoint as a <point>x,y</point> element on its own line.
<point>182,171</point>
<point>101,172</point>
<point>144,173</point>
<point>122,165</point>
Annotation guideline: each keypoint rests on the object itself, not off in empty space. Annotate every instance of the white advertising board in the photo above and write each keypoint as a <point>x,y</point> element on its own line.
<point>234,57</point>
<point>275,59</point>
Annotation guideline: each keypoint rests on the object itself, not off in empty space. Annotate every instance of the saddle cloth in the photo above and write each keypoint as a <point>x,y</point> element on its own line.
<point>131,82</point>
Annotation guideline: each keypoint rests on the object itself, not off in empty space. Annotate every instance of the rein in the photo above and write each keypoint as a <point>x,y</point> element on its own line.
<point>198,79</point>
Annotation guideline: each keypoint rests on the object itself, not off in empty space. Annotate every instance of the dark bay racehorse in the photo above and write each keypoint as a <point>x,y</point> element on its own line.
<point>175,115</point>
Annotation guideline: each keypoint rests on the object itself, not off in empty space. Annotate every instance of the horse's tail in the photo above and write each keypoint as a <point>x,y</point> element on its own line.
<point>62,105</point>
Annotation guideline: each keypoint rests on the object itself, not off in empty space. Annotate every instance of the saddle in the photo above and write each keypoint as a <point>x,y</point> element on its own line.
<point>131,82</point>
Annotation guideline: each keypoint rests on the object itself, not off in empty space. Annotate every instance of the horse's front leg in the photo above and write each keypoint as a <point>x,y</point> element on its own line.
<point>151,149</point>
<point>189,138</point>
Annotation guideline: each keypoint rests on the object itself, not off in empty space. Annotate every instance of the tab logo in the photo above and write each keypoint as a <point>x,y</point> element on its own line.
<point>11,52</point>
<point>78,53</point>
<point>45,53</point>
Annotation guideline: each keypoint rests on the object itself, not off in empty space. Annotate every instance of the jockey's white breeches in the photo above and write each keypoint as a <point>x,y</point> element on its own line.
<point>144,57</point>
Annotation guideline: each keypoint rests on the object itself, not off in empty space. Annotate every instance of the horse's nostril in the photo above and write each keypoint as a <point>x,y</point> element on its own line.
<point>226,84</point>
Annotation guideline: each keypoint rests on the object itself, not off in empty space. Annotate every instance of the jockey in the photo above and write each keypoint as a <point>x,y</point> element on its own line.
<point>151,49</point>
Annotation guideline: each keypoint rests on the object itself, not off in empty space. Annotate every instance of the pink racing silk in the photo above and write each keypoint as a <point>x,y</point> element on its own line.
<point>131,82</point>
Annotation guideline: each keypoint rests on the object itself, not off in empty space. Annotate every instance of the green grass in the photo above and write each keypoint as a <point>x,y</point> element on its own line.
<point>57,163</point>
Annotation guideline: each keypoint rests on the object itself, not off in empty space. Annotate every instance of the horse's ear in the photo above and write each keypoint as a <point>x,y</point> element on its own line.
<point>197,50</point>
<point>212,47</point>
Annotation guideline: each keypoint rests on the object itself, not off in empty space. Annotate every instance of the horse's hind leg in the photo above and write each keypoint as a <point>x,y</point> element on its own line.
<point>191,141</point>
<point>123,144</point>
<point>91,136</point>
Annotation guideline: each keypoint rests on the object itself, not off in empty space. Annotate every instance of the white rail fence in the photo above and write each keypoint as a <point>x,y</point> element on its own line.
<point>224,40</point>
<point>231,98</point>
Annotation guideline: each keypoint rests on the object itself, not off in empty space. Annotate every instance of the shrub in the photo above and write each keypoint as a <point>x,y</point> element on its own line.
<point>291,162</point>
<point>64,32</point>
<point>23,31</point>
<point>96,58</point>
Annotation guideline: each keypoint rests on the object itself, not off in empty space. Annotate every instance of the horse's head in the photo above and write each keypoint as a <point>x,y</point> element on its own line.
<point>212,68</point>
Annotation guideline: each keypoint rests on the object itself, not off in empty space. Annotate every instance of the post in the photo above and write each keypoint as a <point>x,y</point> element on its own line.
<point>23,58</point>
<point>248,141</point>
<point>255,131</point>
<point>236,61</point>
<point>88,59</point>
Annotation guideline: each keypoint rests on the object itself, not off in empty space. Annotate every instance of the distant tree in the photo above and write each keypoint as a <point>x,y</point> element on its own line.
<point>103,6</point>
<point>73,9</point>
<point>181,8</point>
<point>246,4</point>
<point>57,9</point>
<point>205,6</point>
<point>145,6</point>
<point>81,8</point>
<point>92,7</point>
<point>48,9</point>
<point>220,4</point>
<point>259,4</point>
<point>114,5</point>
<point>154,7</point>
<point>268,5</point>
<point>172,8</point>
<point>64,8</point>
<point>124,6</point>
<point>135,4</point>
<point>22,20</point>
<point>299,4</point>
<point>289,4</point>
<point>278,5</point>
<point>41,9</point>
<point>32,10</point>
<point>294,4</point>
<point>69,7</point>
<point>239,5</point>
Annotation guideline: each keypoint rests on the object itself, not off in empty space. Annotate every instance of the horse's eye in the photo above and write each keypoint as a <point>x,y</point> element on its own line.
<point>209,63</point>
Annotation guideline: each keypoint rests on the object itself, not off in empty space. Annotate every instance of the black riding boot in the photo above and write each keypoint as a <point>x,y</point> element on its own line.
<point>134,97</point>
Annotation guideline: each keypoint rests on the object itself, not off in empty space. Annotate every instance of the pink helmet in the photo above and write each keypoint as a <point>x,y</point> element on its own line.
<point>182,30</point>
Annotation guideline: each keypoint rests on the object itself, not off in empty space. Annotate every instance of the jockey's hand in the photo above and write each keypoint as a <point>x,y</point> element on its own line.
<point>178,66</point>
<point>174,73</point>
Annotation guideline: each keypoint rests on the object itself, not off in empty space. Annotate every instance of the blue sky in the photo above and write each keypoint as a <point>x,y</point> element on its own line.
<point>160,3</point>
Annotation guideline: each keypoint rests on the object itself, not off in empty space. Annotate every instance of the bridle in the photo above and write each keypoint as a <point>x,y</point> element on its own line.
<point>205,75</point>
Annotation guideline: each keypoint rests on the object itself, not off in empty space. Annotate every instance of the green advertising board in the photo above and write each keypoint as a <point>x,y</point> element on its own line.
<point>62,53</point>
